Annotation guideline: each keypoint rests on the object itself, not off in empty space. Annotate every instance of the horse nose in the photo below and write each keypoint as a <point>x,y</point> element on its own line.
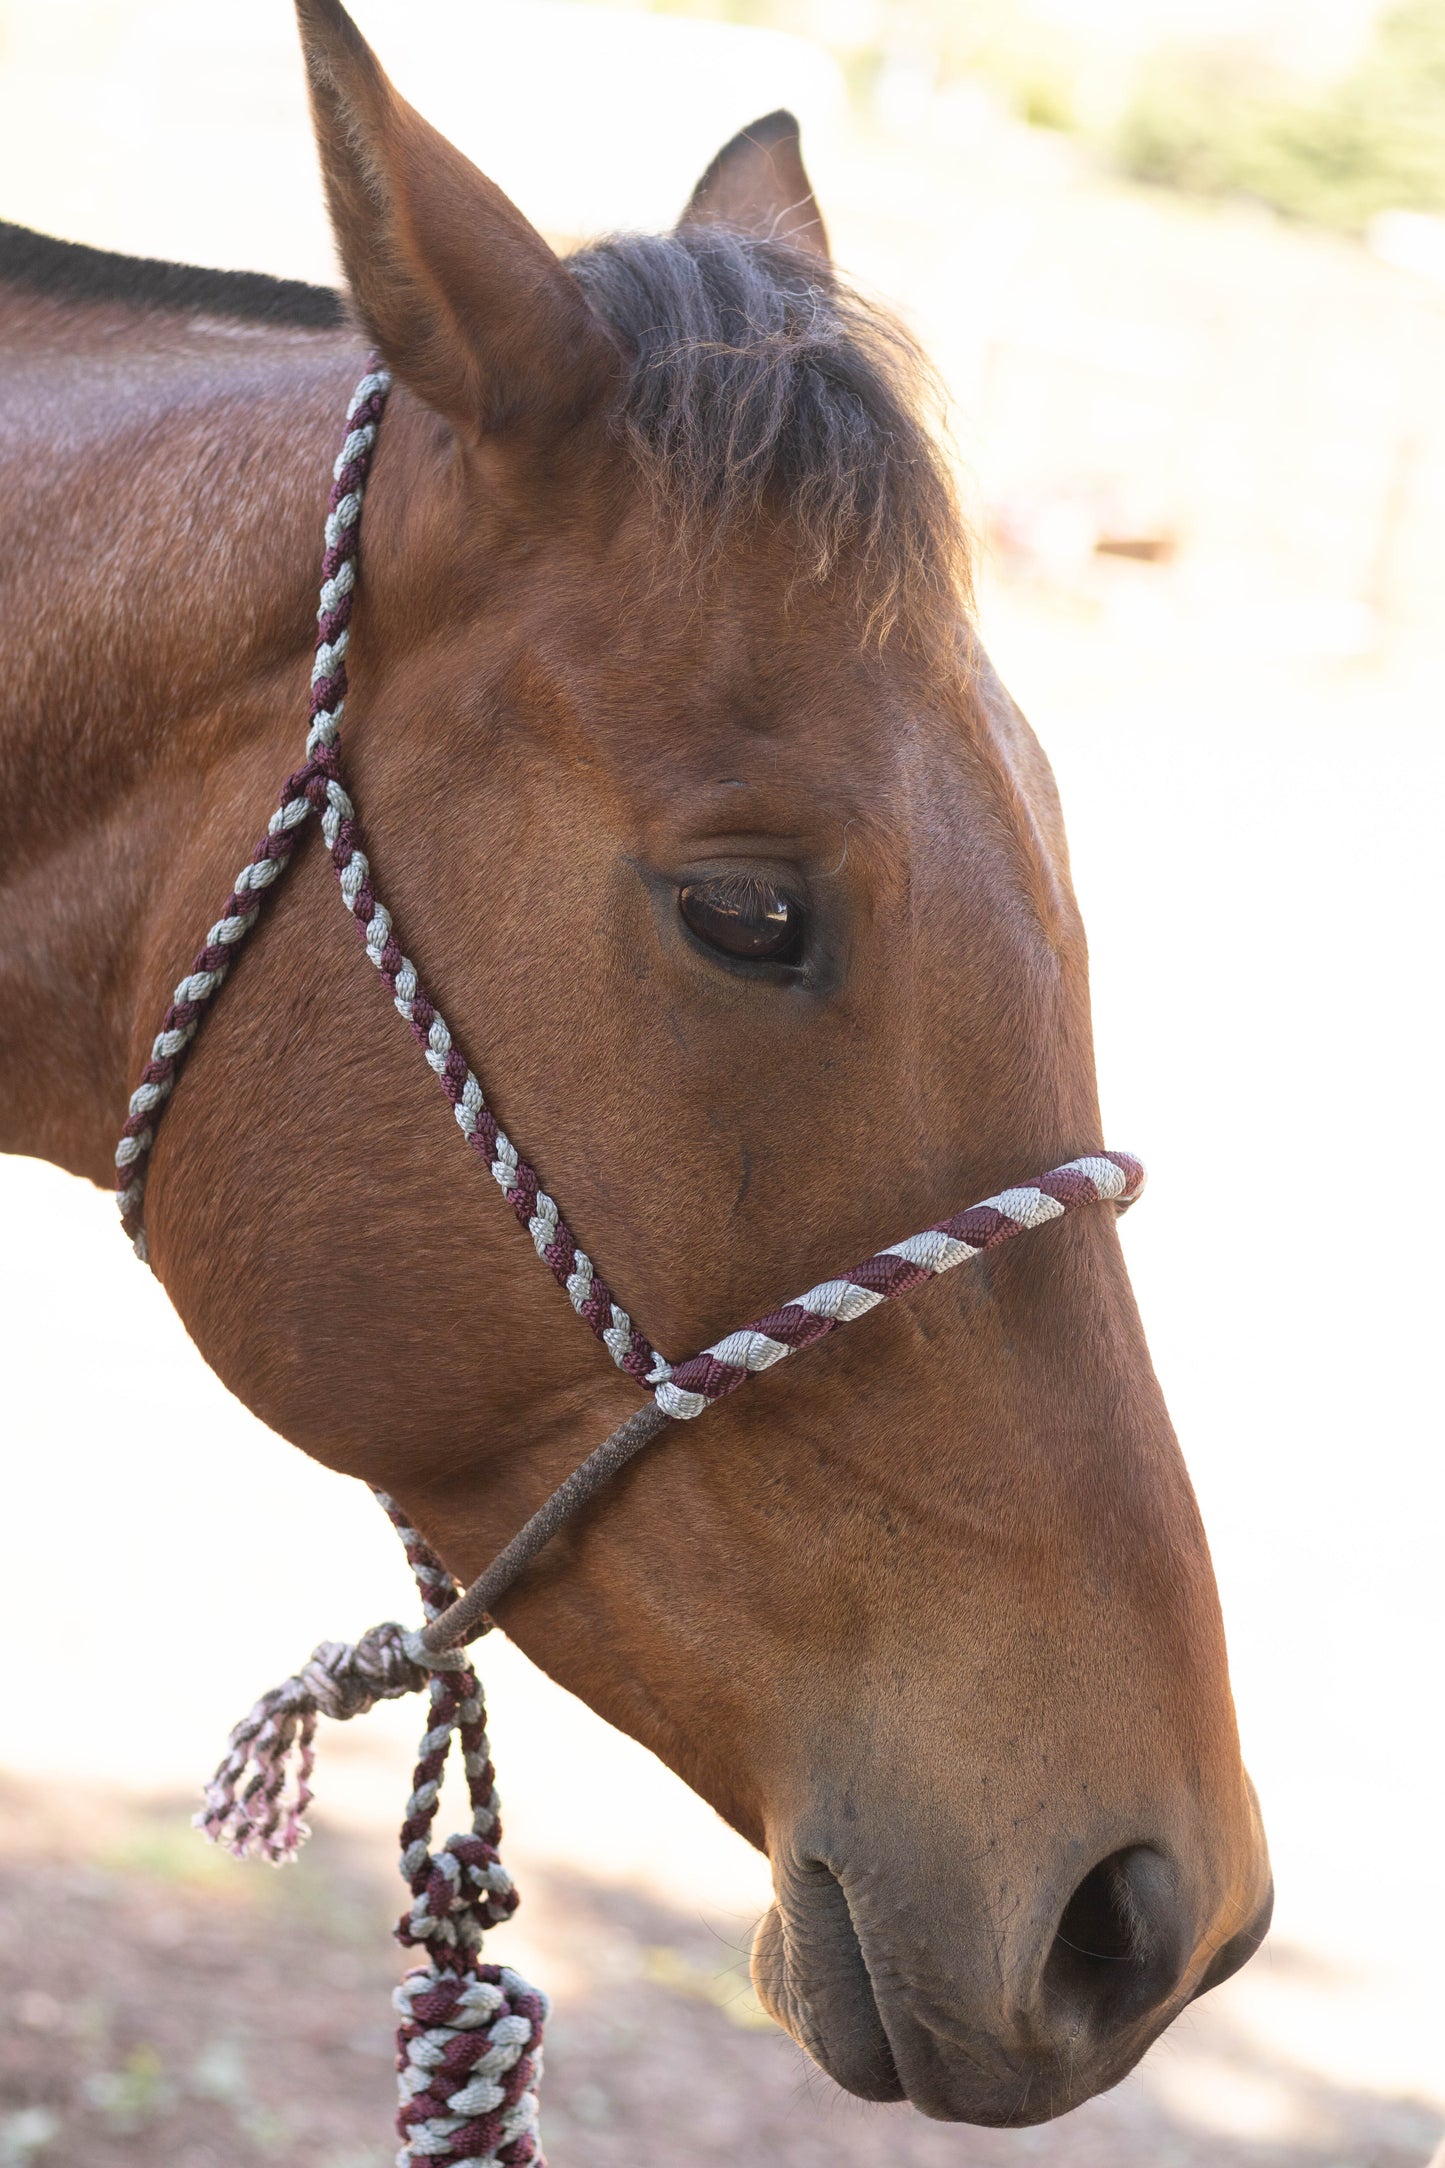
<point>1120,1948</point>
<point>906,1980</point>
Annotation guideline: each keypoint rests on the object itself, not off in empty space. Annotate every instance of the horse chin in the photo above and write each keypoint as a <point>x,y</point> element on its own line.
<point>812,1979</point>
<point>821,1994</point>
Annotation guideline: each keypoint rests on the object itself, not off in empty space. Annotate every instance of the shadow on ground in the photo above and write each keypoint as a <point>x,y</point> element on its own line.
<point>160,2004</point>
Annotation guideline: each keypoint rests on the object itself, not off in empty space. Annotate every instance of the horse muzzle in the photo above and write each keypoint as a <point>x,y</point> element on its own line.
<point>941,2001</point>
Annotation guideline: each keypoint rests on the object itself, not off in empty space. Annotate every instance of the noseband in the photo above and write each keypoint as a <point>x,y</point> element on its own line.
<point>469,2098</point>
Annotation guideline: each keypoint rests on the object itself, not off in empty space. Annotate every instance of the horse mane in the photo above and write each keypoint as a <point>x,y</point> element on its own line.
<point>756,380</point>
<point>71,271</point>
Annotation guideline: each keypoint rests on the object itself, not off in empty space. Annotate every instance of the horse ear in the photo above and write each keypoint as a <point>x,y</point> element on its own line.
<point>758,184</point>
<point>464,299</point>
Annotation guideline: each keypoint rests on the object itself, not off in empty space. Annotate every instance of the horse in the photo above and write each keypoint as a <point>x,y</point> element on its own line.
<point>746,880</point>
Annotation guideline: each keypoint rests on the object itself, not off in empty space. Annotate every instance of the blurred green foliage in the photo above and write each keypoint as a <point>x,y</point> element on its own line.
<point>1212,123</point>
<point>1030,65</point>
<point>1214,119</point>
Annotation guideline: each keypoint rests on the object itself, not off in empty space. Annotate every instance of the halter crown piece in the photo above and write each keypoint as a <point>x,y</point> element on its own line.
<point>469,2044</point>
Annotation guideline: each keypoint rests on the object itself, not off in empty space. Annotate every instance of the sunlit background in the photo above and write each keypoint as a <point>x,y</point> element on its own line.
<point>1182,265</point>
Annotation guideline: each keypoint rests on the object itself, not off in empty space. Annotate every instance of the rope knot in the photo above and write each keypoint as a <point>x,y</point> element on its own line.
<point>345,1679</point>
<point>457,1893</point>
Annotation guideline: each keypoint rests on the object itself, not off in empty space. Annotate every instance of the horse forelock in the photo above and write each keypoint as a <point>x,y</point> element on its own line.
<point>755,383</point>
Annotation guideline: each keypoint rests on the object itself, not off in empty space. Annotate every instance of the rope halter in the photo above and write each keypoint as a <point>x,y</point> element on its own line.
<point>469,2044</point>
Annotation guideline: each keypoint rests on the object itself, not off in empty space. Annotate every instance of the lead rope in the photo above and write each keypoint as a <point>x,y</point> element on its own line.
<point>469,2045</point>
<point>469,2042</point>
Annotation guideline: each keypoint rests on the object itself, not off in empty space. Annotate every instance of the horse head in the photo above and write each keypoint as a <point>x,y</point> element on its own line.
<point>743,881</point>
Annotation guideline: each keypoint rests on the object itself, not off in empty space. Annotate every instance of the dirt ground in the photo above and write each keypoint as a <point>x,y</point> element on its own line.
<point>159,2004</point>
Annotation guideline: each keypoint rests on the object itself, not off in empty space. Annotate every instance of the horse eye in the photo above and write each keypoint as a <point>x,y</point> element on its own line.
<point>742,915</point>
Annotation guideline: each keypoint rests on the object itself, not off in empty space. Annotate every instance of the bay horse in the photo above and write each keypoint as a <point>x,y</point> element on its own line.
<point>730,855</point>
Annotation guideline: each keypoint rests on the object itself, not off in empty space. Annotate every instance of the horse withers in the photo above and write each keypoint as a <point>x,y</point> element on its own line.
<point>744,881</point>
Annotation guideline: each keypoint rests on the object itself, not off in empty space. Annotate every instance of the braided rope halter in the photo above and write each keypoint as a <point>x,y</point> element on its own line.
<point>469,2047</point>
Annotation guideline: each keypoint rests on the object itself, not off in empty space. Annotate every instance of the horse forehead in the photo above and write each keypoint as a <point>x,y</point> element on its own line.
<point>784,722</point>
<point>749,631</point>
<point>894,799</point>
<point>694,711</point>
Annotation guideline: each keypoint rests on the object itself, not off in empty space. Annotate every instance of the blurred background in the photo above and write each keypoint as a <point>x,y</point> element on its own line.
<point>1182,266</point>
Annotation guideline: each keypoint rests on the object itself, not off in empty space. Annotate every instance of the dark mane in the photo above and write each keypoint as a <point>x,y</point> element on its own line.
<point>758,381</point>
<point>69,271</point>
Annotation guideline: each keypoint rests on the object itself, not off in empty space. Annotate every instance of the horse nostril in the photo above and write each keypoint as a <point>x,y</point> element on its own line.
<point>1121,1944</point>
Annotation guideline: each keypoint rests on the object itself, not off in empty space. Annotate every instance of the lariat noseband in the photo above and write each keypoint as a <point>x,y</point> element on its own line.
<point>469,2045</point>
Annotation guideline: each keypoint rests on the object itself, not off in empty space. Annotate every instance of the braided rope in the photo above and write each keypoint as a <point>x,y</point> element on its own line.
<point>1107,1177</point>
<point>539,1213</point>
<point>256,879</point>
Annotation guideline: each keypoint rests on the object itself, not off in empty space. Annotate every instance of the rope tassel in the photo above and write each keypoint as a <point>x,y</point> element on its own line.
<point>257,1799</point>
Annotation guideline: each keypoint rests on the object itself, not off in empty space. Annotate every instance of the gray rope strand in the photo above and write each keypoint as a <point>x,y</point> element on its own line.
<point>468,1616</point>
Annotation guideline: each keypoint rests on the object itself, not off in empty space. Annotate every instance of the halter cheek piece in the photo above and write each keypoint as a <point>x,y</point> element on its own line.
<point>470,2040</point>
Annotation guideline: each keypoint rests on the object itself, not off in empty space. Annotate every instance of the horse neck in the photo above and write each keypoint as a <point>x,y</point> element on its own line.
<point>162,483</point>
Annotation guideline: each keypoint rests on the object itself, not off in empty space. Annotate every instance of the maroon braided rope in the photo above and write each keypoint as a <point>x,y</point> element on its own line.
<point>520,1183</point>
<point>438,1919</point>
<point>1104,1177</point>
<point>274,852</point>
<point>182,1019</point>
